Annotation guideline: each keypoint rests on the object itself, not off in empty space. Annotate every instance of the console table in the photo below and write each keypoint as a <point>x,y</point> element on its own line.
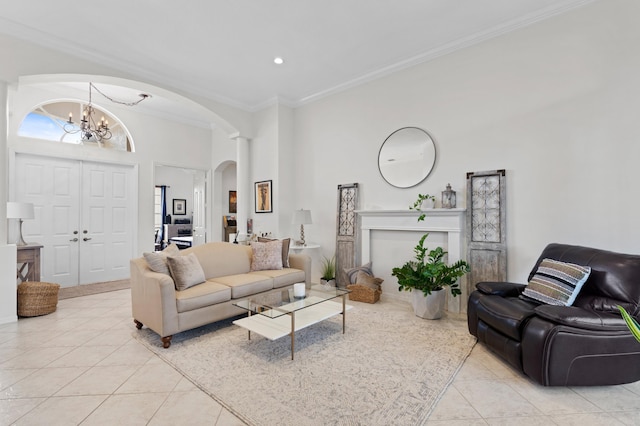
<point>29,258</point>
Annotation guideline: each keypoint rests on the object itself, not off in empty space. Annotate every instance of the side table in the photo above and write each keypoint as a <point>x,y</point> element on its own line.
<point>297,249</point>
<point>29,258</point>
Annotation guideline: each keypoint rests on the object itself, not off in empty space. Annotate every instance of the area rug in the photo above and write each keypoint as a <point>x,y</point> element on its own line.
<point>390,367</point>
<point>88,289</point>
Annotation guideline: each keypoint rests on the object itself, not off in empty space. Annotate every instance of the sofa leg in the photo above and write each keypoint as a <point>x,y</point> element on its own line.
<point>138,324</point>
<point>166,341</point>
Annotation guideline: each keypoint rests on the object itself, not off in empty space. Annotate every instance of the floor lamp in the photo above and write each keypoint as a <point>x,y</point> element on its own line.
<point>20,211</point>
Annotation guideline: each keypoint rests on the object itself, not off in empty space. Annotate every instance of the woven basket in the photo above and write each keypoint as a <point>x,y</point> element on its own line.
<point>362,293</point>
<point>37,298</point>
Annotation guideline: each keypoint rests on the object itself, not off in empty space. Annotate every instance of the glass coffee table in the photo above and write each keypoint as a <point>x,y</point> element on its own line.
<point>278,314</point>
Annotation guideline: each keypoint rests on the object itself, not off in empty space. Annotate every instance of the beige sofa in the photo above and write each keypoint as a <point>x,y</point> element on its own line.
<point>157,304</point>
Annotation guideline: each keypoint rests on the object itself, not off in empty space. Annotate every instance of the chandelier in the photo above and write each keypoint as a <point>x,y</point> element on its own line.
<point>89,128</point>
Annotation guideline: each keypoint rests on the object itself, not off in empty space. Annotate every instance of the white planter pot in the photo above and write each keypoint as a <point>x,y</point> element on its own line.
<point>330,283</point>
<point>430,307</point>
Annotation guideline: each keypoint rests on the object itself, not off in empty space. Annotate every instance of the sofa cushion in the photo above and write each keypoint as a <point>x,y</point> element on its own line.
<point>219,259</point>
<point>286,242</point>
<point>243,285</point>
<point>185,270</point>
<point>283,277</point>
<point>557,283</point>
<point>206,294</point>
<point>266,255</point>
<point>157,260</point>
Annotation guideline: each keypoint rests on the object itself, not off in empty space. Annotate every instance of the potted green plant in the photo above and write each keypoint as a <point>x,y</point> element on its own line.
<point>428,274</point>
<point>328,278</point>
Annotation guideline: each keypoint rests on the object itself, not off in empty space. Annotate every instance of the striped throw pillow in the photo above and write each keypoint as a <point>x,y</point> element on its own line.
<point>557,283</point>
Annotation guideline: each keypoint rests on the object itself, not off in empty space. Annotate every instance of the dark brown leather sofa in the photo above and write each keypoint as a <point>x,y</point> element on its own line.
<point>585,344</point>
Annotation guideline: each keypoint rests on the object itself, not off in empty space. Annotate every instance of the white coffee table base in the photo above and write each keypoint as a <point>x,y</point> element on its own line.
<point>287,325</point>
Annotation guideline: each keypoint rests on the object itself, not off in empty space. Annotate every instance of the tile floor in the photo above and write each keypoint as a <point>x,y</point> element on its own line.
<point>80,365</point>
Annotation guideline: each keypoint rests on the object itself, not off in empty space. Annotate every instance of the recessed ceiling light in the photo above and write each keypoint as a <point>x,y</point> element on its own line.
<point>278,60</point>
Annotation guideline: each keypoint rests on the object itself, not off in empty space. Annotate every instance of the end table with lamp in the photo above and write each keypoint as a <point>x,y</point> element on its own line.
<point>28,255</point>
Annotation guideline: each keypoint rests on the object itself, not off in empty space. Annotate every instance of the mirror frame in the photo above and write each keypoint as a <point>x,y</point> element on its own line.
<point>428,166</point>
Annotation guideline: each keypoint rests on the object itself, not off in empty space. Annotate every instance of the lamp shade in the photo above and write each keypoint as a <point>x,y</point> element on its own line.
<point>17,210</point>
<point>301,217</point>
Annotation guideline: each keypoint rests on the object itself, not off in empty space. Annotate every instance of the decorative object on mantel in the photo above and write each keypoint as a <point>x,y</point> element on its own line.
<point>420,204</point>
<point>486,228</point>
<point>448,198</point>
<point>328,278</point>
<point>407,157</point>
<point>302,217</point>
<point>21,211</point>
<point>347,233</point>
<point>426,277</point>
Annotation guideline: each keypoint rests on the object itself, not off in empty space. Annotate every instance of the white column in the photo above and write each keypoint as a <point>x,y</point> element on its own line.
<point>8,253</point>
<point>244,191</point>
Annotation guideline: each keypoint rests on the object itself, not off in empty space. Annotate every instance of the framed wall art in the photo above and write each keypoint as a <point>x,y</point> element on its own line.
<point>233,202</point>
<point>179,206</point>
<point>263,197</point>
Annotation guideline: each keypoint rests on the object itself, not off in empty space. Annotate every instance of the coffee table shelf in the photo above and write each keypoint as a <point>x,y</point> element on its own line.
<point>277,317</point>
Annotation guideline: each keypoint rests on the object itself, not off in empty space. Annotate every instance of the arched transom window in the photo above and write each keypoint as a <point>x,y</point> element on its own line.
<point>49,121</point>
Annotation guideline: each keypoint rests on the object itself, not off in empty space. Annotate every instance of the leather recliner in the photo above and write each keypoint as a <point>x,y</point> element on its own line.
<point>586,344</point>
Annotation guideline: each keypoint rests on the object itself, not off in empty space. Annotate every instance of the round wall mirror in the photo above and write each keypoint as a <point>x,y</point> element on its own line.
<point>407,157</point>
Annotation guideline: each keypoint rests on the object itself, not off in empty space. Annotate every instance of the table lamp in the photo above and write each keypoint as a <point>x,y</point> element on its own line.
<point>20,211</point>
<point>302,217</point>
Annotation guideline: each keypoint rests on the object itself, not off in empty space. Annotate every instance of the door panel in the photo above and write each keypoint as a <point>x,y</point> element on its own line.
<point>53,186</point>
<point>106,245</point>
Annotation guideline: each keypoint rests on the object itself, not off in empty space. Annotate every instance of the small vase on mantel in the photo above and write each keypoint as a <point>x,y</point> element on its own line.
<point>429,203</point>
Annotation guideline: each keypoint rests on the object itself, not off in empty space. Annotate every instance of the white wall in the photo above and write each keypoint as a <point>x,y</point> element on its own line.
<point>555,104</point>
<point>179,182</point>
<point>229,180</point>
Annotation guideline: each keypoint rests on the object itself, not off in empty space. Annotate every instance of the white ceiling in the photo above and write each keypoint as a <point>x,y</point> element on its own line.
<point>224,49</point>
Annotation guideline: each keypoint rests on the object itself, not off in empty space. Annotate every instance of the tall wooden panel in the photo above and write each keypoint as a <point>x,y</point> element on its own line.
<point>347,232</point>
<point>486,227</point>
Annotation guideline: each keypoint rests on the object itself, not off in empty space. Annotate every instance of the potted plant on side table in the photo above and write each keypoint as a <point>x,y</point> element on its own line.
<point>427,276</point>
<point>328,278</point>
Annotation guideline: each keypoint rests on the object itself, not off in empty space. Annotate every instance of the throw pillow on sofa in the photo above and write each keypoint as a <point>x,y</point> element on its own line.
<point>285,249</point>
<point>369,280</point>
<point>186,271</point>
<point>157,261</point>
<point>557,283</point>
<point>352,273</point>
<point>266,256</point>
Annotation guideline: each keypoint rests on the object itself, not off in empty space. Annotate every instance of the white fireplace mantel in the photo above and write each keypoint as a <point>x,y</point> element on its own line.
<point>448,221</point>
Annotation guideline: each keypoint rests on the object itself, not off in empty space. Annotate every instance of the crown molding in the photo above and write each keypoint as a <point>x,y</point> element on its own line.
<point>35,36</point>
<point>498,30</point>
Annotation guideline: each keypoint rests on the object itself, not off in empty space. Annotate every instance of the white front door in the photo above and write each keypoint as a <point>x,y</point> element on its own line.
<point>53,186</point>
<point>83,217</point>
<point>106,235</point>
